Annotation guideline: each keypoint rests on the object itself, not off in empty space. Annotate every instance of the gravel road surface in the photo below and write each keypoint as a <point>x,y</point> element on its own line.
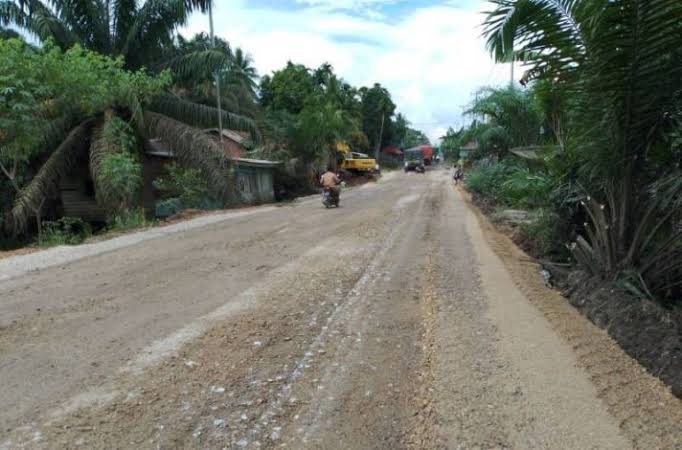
<point>400,320</point>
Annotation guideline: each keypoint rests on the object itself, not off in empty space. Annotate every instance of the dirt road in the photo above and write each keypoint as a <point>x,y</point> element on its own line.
<point>396,321</point>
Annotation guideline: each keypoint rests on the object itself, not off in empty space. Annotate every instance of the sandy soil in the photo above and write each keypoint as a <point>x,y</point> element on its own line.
<point>400,320</point>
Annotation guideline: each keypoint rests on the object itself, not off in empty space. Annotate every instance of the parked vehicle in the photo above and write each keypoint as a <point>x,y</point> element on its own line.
<point>427,150</point>
<point>355,162</point>
<point>414,159</point>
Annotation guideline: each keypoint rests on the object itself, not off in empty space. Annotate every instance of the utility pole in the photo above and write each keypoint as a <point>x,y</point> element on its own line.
<point>217,75</point>
<point>381,134</point>
<point>511,80</point>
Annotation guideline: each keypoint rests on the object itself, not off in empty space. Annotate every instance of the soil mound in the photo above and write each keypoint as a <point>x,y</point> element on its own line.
<point>644,329</point>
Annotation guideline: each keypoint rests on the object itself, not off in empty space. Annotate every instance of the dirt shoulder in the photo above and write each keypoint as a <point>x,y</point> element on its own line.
<point>644,329</point>
<point>645,408</point>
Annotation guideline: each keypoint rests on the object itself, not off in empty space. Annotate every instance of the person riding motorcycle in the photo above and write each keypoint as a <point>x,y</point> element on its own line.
<point>330,180</point>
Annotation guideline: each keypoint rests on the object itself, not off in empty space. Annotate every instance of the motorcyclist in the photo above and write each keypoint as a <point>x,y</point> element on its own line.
<point>330,180</point>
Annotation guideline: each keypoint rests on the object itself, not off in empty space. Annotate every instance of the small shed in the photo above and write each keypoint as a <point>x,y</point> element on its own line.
<point>466,150</point>
<point>254,179</point>
<point>77,195</point>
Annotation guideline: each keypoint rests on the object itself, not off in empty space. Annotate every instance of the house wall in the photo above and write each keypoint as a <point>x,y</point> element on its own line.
<point>233,149</point>
<point>77,196</point>
<point>153,168</point>
<point>255,184</point>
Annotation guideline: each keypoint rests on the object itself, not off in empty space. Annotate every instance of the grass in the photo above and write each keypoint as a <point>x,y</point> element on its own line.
<point>129,220</point>
<point>65,231</point>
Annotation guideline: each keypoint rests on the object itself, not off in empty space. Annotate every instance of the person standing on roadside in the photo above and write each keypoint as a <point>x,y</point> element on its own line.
<point>458,175</point>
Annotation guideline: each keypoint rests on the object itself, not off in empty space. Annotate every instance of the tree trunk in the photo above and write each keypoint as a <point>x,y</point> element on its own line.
<point>39,227</point>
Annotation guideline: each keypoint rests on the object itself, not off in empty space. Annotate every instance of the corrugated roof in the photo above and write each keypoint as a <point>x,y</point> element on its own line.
<point>238,137</point>
<point>256,162</point>
<point>471,145</point>
<point>529,152</point>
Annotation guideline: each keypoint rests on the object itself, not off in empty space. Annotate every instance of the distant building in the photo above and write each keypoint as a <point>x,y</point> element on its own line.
<point>466,150</point>
<point>392,150</point>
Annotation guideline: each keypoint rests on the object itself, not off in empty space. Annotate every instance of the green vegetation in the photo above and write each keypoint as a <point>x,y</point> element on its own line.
<point>106,78</point>
<point>184,188</point>
<point>54,102</point>
<point>64,231</point>
<point>129,219</point>
<point>600,119</point>
<point>305,111</point>
<point>85,97</point>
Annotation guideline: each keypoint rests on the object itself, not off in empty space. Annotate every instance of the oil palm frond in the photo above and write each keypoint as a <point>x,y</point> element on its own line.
<point>195,149</point>
<point>45,183</point>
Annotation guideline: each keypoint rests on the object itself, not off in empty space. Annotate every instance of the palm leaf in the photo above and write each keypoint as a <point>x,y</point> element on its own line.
<point>123,16</point>
<point>551,35</point>
<point>202,116</point>
<point>53,132</point>
<point>46,181</point>
<point>100,148</point>
<point>34,17</point>
<point>152,29</point>
<point>6,33</point>
<point>198,64</point>
<point>12,14</point>
<point>195,149</point>
<point>88,19</point>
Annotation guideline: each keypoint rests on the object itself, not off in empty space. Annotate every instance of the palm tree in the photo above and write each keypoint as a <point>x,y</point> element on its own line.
<point>196,62</point>
<point>136,31</point>
<point>140,33</point>
<point>241,73</point>
<point>513,119</point>
<point>620,62</point>
<point>321,125</point>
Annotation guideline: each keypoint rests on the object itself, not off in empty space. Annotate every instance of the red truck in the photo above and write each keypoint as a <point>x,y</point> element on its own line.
<point>428,154</point>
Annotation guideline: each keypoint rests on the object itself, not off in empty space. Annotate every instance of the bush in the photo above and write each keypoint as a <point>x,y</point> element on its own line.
<point>486,178</point>
<point>389,162</point>
<point>65,231</point>
<point>128,220</point>
<point>184,188</point>
<point>511,183</point>
<point>526,188</point>
<point>288,187</point>
<point>122,175</point>
<point>545,235</point>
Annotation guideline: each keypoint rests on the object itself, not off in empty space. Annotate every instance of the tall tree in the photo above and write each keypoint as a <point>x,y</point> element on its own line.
<point>196,63</point>
<point>287,89</point>
<point>513,119</point>
<point>377,111</point>
<point>137,31</point>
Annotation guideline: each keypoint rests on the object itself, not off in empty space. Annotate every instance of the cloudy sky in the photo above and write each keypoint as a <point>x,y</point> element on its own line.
<point>428,53</point>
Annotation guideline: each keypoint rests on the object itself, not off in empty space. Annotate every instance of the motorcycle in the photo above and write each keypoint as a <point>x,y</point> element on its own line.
<point>329,198</point>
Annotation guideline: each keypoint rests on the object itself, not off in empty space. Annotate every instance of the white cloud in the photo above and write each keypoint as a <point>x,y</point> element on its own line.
<point>431,59</point>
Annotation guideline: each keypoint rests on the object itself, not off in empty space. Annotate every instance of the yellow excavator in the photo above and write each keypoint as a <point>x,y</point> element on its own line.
<point>355,162</point>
